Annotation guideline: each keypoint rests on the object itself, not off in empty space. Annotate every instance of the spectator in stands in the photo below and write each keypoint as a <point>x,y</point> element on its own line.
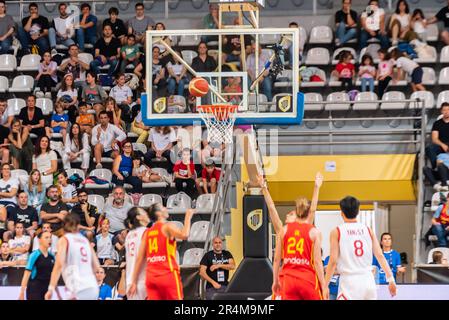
<point>400,24</point>
<point>105,139</point>
<point>139,24</point>
<point>203,62</point>
<point>163,53</point>
<point>46,77</point>
<point>87,213</point>
<point>34,30</point>
<point>35,190</point>
<point>158,73</point>
<point>301,43</point>
<point>107,52</point>
<point>54,211</point>
<point>104,289</point>
<point>214,268</point>
<point>87,31</point>
<point>346,23</point>
<point>76,148</point>
<point>7,27</point>
<point>130,53</point>
<point>117,210</point>
<point>266,80</point>
<point>68,96</point>
<point>123,96</point>
<point>19,245</point>
<point>367,73</point>
<point>210,149</point>
<point>373,25</point>
<point>59,121</point>
<point>184,173</point>
<point>440,223</point>
<point>443,171</point>
<point>418,24</point>
<point>161,140</point>
<point>25,214</point>
<point>144,172</point>
<point>385,72</point>
<point>45,160</point>
<point>20,147</point>
<point>345,70</point>
<point>105,248</point>
<point>442,15</point>
<point>210,175</point>
<point>392,256</point>
<point>6,261</point>
<point>113,112</point>
<point>122,168</point>
<point>409,66</point>
<point>177,77</point>
<point>438,258</point>
<point>211,21</point>
<point>3,220</point>
<point>232,48</point>
<point>85,120</point>
<point>140,129</point>
<point>32,117</point>
<point>93,94</point>
<point>75,66</point>
<point>62,30</point>
<point>117,25</point>
<point>46,227</point>
<point>8,189</point>
<point>6,118</point>
<point>68,192</point>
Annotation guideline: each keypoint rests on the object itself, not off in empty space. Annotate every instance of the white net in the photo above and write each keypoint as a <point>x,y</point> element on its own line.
<point>219,120</point>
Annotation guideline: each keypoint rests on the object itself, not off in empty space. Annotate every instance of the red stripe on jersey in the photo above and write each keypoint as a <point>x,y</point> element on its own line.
<point>338,230</point>
<point>370,233</point>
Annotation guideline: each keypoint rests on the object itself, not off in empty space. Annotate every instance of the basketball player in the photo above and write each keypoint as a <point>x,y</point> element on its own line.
<point>77,262</point>
<point>352,246</point>
<point>158,248</point>
<point>300,246</point>
<point>137,221</point>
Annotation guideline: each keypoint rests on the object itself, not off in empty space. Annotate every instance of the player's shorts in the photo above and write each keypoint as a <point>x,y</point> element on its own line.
<point>357,287</point>
<point>141,292</point>
<point>87,294</point>
<point>166,287</point>
<point>296,288</point>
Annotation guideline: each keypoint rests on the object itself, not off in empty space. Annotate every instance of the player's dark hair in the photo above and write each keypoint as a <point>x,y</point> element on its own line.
<point>85,5</point>
<point>444,104</point>
<point>131,221</point>
<point>350,207</point>
<point>153,209</point>
<point>71,222</point>
<point>293,24</point>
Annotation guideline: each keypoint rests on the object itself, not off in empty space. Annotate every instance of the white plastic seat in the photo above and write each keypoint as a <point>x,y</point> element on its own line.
<point>140,147</point>
<point>372,49</point>
<point>435,202</point>
<point>29,62</point>
<point>318,56</point>
<point>334,81</point>
<point>15,104</point>
<point>213,54</point>
<point>205,203</point>
<point>427,98</point>
<point>321,34</point>
<point>192,257</point>
<point>315,84</point>
<point>253,100</point>
<point>179,203</point>
<point>72,171</point>
<point>22,83</point>
<point>189,40</point>
<point>97,201</point>
<point>313,97</point>
<point>365,105</point>
<point>302,37</point>
<point>285,79</point>
<point>429,78</point>
<point>4,84</point>
<point>444,251</point>
<point>443,96</point>
<point>21,175</point>
<point>431,59</point>
<point>45,104</point>
<point>393,96</point>
<point>104,174</point>
<point>8,63</point>
<point>338,97</point>
<point>337,52</point>
<point>444,55</point>
<point>443,79</point>
<point>85,57</point>
<point>149,199</point>
<point>432,32</point>
<point>198,231</point>
<point>265,39</point>
<point>189,55</point>
<point>178,225</point>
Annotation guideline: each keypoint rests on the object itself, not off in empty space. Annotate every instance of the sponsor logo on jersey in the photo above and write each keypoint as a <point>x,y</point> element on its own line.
<point>297,261</point>
<point>155,259</point>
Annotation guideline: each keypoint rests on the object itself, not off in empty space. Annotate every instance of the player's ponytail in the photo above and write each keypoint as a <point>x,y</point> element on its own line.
<point>302,207</point>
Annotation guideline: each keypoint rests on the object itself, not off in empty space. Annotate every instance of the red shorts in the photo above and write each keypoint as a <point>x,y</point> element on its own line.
<point>165,287</point>
<point>295,288</point>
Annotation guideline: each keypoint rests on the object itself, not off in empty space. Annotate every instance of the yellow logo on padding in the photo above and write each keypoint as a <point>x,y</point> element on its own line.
<point>285,103</point>
<point>160,105</point>
<point>254,219</point>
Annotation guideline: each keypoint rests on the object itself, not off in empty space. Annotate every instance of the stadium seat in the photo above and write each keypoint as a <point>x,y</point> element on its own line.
<point>265,39</point>
<point>85,57</point>
<point>192,257</point>
<point>21,175</point>
<point>313,97</point>
<point>4,84</point>
<point>427,98</point>
<point>321,34</point>
<point>339,50</point>
<point>432,32</point>
<point>444,251</point>
<point>252,100</point>
<point>22,83</point>
<point>337,97</point>
<point>178,225</point>
<point>318,56</point>
<point>443,96</point>
<point>366,104</point>
<point>198,231</point>
<point>97,201</point>
<point>444,56</point>
<point>315,84</point>
<point>444,76</point>
<point>189,55</point>
<point>178,259</point>
<point>15,104</point>
<point>205,203</point>
<point>393,96</point>
<point>429,78</point>
<point>179,203</point>
<point>189,40</point>
<point>213,54</point>
<point>140,147</point>
<point>284,79</point>
<point>372,49</point>
<point>435,202</point>
<point>333,81</point>
<point>29,62</point>
<point>302,34</point>
<point>431,59</point>
<point>45,104</point>
<point>148,199</point>
<point>161,184</point>
<point>104,174</point>
<point>8,63</point>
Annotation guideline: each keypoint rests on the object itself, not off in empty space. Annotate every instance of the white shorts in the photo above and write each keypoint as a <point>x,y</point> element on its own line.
<point>87,294</point>
<point>357,287</point>
<point>141,292</point>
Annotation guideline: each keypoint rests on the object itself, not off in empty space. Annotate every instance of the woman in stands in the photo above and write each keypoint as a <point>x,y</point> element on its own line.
<point>20,147</point>
<point>46,78</point>
<point>400,24</point>
<point>93,94</point>
<point>45,160</point>
<point>114,112</point>
<point>76,147</point>
<point>77,261</point>
<point>35,190</point>
<point>38,270</point>
<point>122,168</point>
<point>68,96</point>
<point>162,139</point>
<point>392,256</point>
<point>177,77</point>
<point>159,72</point>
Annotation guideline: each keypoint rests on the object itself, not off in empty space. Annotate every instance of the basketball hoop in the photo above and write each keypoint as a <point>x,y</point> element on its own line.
<point>219,119</point>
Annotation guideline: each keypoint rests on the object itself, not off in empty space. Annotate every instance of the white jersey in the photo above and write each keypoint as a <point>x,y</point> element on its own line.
<point>77,272</point>
<point>132,245</point>
<point>356,249</point>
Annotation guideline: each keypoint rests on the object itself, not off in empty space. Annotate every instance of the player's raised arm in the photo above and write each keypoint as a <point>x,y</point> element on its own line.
<point>316,236</point>
<point>183,233</point>
<point>316,192</point>
<point>276,288</point>
<point>333,257</point>
<point>274,216</point>
<point>377,251</point>
<point>138,266</point>
<point>57,268</point>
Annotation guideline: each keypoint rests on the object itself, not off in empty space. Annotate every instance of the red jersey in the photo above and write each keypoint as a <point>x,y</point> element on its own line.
<point>215,174</point>
<point>444,217</point>
<point>161,252</point>
<point>182,169</point>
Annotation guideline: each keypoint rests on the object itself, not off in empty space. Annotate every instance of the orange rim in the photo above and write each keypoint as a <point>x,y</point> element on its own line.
<point>220,111</point>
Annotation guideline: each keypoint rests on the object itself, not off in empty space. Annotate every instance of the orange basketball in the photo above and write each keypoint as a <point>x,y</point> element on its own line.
<point>198,87</point>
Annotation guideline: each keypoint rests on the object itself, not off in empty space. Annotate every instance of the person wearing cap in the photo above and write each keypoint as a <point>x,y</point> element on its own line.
<point>210,175</point>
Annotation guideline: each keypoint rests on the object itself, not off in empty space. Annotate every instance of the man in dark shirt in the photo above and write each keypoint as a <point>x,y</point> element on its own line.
<point>214,268</point>
<point>442,15</point>
<point>117,25</point>
<point>34,30</point>
<point>25,214</point>
<point>203,62</point>
<point>32,117</point>
<point>107,52</point>
<point>346,21</point>
<point>88,215</point>
<point>87,31</point>
<point>54,211</point>
<point>440,136</point>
